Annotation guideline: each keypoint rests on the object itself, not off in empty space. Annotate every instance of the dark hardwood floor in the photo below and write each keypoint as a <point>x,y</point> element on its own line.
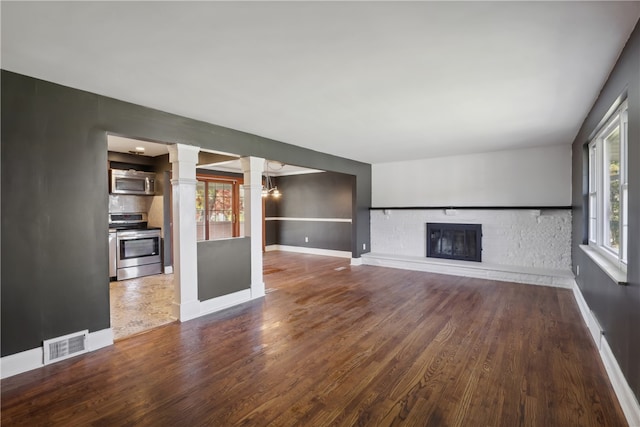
<point>332,344</point>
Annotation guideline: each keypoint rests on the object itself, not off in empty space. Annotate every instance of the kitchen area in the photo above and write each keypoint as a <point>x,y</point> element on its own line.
<point>140,283</point>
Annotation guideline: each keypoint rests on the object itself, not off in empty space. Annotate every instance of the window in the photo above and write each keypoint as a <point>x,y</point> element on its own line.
<point>608,188</point>
<point>219,207</point>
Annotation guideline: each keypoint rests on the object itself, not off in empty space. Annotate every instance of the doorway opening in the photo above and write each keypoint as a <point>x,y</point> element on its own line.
<point>141,283</point>
<point>313,214</point>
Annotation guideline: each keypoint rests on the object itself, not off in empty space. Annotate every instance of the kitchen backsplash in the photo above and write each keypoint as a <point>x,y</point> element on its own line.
<point>128,203</point>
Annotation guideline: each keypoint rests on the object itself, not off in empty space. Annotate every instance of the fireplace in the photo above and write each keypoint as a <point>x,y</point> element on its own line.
<point>454,241</point>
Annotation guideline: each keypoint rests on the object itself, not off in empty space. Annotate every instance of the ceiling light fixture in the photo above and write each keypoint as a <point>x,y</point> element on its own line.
<point>268,189</point>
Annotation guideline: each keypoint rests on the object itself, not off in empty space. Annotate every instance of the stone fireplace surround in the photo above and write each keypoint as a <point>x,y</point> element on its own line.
<point>519,244</point>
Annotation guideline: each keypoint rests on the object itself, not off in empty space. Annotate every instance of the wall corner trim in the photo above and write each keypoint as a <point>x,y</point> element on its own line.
<point>28,360</point>
<point>626,398</point>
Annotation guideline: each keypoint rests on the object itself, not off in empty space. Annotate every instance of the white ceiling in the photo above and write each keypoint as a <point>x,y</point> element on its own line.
<point>121,144</point>
<point>135,146</point>
<point>271,168</point>
<point>371,81</point>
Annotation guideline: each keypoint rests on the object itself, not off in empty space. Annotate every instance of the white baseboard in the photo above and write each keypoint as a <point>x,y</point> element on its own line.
<point>356,261</point>
<point>168,269</point>
<point>503,273</point>
<point>312,251</point>
<point>100,339</point>
<point>186,310</point>
<point>32,359</point>
<point>225,301</point>
<point>21,362</point>
<point>625,395</point>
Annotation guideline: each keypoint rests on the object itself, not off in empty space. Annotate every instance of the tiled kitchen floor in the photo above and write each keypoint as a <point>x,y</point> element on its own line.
<point>140,304</point>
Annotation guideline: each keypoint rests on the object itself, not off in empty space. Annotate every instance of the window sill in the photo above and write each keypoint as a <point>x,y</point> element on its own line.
<point>611,269</point>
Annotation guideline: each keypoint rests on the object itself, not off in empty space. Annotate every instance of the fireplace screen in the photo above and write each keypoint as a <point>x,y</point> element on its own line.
<point>454,241</point>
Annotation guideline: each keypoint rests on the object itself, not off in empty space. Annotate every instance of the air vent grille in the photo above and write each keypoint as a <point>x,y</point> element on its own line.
<point>64,347</point>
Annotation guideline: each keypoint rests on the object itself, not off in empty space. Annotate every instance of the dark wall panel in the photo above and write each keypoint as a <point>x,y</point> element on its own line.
<point>54,274</point>
<point>271,232</point>
<point>322,235</point>
<point>318,195</point>
<point>224,267</point>
<point>315,195</point>
<point>54,214</point>
<point>617,308</point>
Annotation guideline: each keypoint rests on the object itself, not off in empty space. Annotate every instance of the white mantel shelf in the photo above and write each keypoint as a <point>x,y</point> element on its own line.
<point>504,273</point>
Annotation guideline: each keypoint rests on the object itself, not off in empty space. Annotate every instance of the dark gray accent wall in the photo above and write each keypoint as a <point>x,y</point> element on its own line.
<point>54,214</point>
<point>54,274</point>
<point>317,195</point>
<point>617,308</point>
<point>321,235</point>
<point>224,267</point>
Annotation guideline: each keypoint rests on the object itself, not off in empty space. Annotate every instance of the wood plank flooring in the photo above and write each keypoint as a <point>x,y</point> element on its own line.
<point>332,344</point>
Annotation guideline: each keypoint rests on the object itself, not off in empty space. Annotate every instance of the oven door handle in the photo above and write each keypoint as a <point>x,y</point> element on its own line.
<point>127,235</point>
<point>124,235</point>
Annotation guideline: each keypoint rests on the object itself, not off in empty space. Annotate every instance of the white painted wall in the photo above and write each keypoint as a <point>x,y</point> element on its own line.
<point>538,176</point>
<point>527,238</point>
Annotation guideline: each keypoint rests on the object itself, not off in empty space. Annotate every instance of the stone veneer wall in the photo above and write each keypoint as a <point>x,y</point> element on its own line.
<point>527,238</point>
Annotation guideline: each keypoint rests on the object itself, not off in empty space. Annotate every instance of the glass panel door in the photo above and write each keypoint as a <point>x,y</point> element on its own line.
<point>201,205</point>
<point>241,210</point>
<point>220,197</point>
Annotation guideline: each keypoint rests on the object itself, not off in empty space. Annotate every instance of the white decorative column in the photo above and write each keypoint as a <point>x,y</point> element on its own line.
<point>252,168</point>
<point>183,160</point>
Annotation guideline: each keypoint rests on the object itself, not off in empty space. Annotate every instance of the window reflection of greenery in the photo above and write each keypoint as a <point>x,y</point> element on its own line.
<point>612,142</point>
<point>217,207</point>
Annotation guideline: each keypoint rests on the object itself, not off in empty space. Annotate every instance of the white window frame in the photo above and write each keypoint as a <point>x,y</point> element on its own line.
<point>598,188</point>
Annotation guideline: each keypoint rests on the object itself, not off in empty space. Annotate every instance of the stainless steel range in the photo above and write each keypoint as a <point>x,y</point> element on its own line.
<point>137,247</point>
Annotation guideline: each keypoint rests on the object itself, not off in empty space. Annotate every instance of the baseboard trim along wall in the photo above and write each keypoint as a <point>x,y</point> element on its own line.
<point>28,360</point>
<point>627,399</point>
<point>480,270</point>
<point>356,261</point>
<point>312,251</point>
<point>225,301</point>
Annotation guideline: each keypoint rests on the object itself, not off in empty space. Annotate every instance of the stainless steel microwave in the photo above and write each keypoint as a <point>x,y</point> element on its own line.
<point>132,182</point>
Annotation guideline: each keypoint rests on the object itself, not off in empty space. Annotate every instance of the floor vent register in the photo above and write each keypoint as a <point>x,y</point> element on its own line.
<point>64,347</point>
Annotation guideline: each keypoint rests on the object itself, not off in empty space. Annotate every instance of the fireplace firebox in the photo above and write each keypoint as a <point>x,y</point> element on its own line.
<point>454,241</point>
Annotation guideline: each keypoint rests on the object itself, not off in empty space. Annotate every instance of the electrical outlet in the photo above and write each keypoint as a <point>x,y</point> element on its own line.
<point>306,240</point>
<point>364,246</point>
<point>577,270</point>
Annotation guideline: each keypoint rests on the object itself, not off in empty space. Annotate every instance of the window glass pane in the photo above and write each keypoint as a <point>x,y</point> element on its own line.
<point>216,206</point>
<point>625,223</point>
<point>592,218</point>
<point>624,169</point>
<point>612,188</point>
<point>220,210</point>
<point>200,211</point>
<point>592,168</point>
<point>241,212</point>
<point>624,141</point>
<point>608,186</point>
